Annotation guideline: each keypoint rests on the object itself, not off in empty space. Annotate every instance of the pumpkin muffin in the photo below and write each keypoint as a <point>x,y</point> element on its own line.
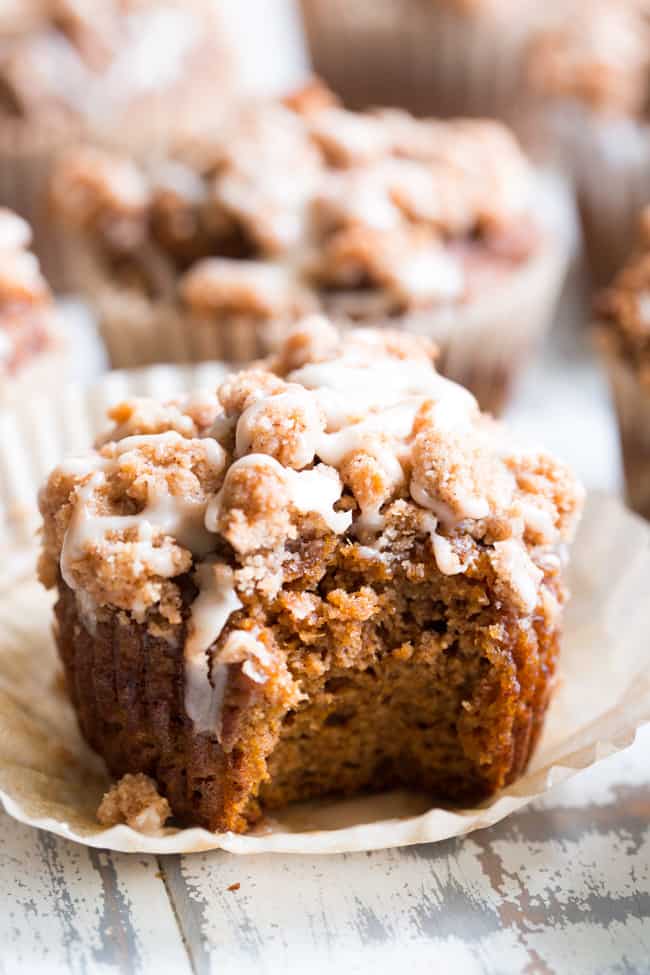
<point>31,346</point>
<point>623,314</point>
<point>589,74</point>
<point>440,228</point>
<point>336,575</point>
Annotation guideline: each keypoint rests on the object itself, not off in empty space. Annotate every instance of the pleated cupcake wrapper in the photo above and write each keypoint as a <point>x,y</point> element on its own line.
<point>632,403</point>
<point>424,56</point>
<point>50,779</point>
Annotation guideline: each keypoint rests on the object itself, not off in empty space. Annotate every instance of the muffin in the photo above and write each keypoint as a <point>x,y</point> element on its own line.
<point>623,332</point>
<point>590,76</point>
<point>334,576</point>
<point>31,347</point>
<point>441,228</point>
<point>138,75</point>
<point>446,57</point>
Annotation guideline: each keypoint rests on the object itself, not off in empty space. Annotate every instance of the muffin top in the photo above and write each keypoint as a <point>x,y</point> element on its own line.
<point>26,305</point>
<point>303,205</point>
<point>354,439</point>
<point>67,60</point>
<point>597,55</point>
<point>623,309</point>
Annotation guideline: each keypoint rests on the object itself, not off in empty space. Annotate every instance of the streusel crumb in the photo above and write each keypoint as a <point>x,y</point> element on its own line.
<point>135,801</point>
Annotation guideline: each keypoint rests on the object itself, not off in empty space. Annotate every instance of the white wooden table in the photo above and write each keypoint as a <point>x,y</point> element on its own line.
<point>562,887</point>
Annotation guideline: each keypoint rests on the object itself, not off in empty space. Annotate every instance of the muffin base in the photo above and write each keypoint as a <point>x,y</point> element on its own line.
<point>455,716</point>
<point>632,403</point>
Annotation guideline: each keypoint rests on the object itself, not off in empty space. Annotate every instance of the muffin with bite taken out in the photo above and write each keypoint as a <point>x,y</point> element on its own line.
<point>336,575</point>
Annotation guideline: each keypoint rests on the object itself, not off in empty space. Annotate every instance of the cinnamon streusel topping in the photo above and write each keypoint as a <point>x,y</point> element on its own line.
<point>353,439</point>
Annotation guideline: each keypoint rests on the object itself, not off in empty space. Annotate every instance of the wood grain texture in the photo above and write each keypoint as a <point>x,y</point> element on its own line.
<point>68,909</point>
<point>564,886</point>
<point>561,887</point>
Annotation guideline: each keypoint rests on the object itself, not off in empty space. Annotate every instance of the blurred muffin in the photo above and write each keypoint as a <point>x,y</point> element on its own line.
<point>623,313</point>
<point>138,75</point>
<point>590,73</point>
<point>31,350</point>
<point>440,228</point>
<point>447,57</point>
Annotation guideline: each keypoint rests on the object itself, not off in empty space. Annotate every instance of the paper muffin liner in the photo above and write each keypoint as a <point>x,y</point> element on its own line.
<point>632,403</point>
<point>427,57</point>
<point>50,779</point>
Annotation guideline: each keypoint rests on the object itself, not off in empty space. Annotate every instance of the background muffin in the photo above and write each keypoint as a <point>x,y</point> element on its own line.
<point>590,73</point>
<point>623,313</point>
<point>139,75</point>
<point>441,228</point>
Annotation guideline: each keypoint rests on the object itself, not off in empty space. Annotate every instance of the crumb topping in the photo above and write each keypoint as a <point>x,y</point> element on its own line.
<point>598,56</point>
<point>304,206</point>
<point>135,801</point>
<point>26,306</point>
<point>352,440</point>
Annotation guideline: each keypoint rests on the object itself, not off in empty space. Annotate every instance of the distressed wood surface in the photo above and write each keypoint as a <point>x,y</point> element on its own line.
<point>562,887</point>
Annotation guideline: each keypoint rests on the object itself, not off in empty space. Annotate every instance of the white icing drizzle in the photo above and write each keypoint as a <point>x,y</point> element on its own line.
<point>431,274</point>
<point>447,559</point>
<point>312,491</point>
<point>211,610</point>
<point>513,563</point>
<point>165,514</point>
<point>295,398</point>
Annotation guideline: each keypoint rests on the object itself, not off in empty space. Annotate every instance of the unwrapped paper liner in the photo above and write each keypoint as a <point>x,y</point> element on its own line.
<point>50,779</point>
